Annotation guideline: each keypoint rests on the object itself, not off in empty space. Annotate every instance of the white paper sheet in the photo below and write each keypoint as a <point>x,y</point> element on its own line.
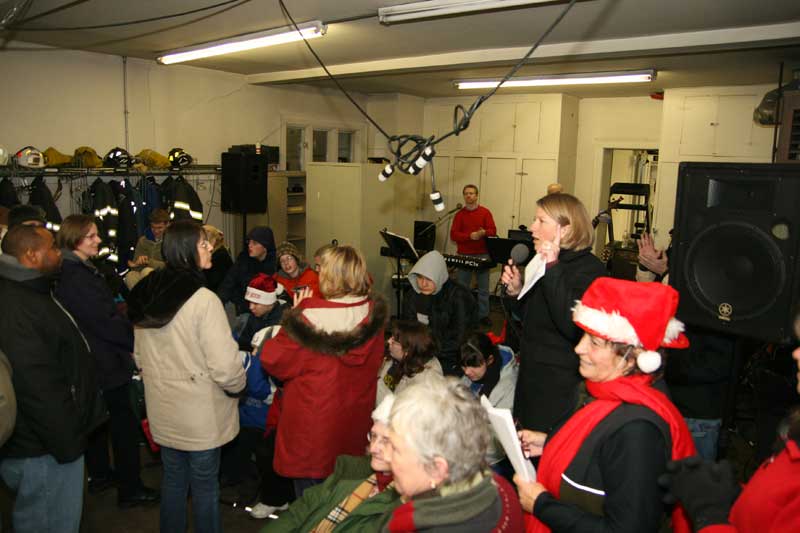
<point>503,425</point>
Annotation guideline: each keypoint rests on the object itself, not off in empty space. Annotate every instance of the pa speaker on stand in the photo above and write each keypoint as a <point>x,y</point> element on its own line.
<point>735,248</point>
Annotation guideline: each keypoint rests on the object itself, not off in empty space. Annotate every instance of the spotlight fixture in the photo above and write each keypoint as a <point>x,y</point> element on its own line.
<point>441,8</point>
<point>250,41</point>
<point>630,76</point>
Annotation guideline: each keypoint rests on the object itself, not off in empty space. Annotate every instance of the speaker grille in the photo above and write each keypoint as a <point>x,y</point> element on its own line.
<point>734,270</point>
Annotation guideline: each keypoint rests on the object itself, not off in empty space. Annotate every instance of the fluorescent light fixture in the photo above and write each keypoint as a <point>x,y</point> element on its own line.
<point>592,78</point>
<point>441,8</point>
<point>251,41</point>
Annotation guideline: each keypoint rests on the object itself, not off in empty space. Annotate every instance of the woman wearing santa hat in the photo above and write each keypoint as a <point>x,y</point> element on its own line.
<point>599,469</point>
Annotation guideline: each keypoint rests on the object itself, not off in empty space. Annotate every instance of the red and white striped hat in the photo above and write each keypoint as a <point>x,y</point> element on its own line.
<point>635,313</point>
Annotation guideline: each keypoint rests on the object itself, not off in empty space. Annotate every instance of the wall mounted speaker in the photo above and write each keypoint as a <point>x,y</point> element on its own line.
<point>244,182</point>
<point>735,248</point>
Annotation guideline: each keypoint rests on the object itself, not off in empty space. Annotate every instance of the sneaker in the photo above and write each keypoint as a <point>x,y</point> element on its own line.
<point>261,510</point>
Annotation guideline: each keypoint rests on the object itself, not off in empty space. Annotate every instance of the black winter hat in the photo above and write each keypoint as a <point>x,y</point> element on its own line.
<point>25,213</point>
<point>263,236</point>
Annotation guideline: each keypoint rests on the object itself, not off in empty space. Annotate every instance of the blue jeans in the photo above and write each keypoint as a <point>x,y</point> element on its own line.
<point>49,495</point>
<point>200,471</point>
<point>303,484</point>
<point>705,433</point>
<point>464,277</point>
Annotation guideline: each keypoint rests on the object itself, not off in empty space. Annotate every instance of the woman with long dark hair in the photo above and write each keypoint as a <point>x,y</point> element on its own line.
<point>191,371</point>
<point>412,353</point>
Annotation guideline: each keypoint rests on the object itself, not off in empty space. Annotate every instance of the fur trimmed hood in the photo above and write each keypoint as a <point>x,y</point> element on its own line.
<point>155,300</point>
<point>346,344</point>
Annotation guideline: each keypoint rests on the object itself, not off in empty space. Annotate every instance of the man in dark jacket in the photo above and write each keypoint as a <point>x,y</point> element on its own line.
<point>58,403</point>
<point>443,304</point>
<point>258,258</point>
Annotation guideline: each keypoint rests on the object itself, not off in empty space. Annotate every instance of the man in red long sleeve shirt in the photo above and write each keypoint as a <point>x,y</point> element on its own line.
<point>470,228</point>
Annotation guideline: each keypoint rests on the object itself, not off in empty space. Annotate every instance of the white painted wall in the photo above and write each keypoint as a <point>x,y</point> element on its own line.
<point>67,99</point>
<point>611,123</point>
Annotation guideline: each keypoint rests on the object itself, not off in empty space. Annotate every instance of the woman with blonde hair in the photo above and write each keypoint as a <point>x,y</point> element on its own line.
<point>327,354</point>
<point>555,278</point>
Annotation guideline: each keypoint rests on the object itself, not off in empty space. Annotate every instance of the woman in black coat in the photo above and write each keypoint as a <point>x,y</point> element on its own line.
<point>83,291</point>
<point>561,271</point>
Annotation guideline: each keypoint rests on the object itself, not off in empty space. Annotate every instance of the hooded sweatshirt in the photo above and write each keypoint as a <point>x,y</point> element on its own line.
<point>450,311</point>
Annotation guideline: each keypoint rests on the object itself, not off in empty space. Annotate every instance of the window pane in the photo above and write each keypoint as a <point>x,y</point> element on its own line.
<point>345,147</point>
<point>320,152</point>
<point>294,148</point>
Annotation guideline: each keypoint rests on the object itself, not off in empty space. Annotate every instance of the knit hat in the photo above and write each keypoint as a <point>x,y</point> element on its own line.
<point>263,289</point>
<point>25,213</point>
<point>263,236</point>
<point>288,248</point>
<point>635,313</point>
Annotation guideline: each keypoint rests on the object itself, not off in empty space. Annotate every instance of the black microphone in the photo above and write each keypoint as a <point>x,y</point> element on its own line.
<point>519,254</point>
<point>456,208</point>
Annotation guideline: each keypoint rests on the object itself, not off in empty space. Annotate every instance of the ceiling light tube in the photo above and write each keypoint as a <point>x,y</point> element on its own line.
<point>250,41</point>
<point>592,78</point>
<point>441,8</point>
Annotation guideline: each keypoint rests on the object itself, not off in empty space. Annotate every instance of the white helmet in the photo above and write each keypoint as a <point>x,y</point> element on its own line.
<point>30,157</point>
<point>3,156</point>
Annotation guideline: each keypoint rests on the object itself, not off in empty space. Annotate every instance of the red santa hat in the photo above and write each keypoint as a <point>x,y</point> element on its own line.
<point>635,313</point>
<point>263,289</point>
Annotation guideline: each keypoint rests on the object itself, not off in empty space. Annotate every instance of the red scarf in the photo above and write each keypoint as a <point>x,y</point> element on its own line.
<point>562,448</point>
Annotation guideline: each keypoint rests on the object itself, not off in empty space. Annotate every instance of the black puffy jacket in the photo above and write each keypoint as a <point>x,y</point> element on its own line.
<point>58,401</point>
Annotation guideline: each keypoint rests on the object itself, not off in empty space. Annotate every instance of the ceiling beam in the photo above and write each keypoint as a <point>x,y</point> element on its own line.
<point>668,43</point>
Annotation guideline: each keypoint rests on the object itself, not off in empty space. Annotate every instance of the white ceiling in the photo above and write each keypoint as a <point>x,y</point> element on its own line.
<point>690,42</point>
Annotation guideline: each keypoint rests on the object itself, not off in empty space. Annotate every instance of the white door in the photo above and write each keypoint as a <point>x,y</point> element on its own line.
<point>499,192</point>
<point>497,128</point>
<point>698,125</point>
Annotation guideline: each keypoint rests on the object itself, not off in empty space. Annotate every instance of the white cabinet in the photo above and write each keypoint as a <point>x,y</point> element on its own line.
<point>499,188</point>
<point>698,126</point>
<point>497,127</point>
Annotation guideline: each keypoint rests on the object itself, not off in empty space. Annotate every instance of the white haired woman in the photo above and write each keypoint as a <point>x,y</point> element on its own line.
<point>599,469</point>
<point>438,437</point>
<point>355,497</point>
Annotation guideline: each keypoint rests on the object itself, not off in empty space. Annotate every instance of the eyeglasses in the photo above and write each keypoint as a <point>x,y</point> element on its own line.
<point>377,439</point>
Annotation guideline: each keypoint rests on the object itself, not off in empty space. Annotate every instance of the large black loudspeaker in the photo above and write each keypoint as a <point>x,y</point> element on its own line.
<point>244,182</point>
<point>735,248</point>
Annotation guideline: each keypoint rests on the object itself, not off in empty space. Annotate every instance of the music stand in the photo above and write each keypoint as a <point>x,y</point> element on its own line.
<point>400,248</point>
<point>424,235</point>
<point>500,249</point>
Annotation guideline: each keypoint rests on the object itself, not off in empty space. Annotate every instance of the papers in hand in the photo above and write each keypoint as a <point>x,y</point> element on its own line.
<point>506,433</point>
<point>533,273</point>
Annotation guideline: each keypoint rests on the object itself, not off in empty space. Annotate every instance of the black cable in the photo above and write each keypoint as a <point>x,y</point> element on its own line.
<point>129,22</point>
<point>336,81</point>
<point>62,7</point>
<point>404,158</point>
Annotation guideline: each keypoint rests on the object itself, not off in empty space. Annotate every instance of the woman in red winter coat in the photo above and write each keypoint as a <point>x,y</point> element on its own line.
<point>327,355</point>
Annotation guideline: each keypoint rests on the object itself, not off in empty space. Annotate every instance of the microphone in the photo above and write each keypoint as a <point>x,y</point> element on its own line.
<point>456,208</point>
<point>519,254</point>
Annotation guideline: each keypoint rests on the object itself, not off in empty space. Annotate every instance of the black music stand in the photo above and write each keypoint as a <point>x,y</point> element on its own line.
<point>500,249</point>
<point>424,235</point>
<point>400,248</point>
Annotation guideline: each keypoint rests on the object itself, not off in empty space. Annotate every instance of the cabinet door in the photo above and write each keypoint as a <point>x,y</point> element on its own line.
<point>499,192</point>
<point>527,120</point>
<point>497,128</point>
<point>698,125</point>
<point>469,139</point>
<point>735,127</point>
<point>537,174</point>
<point>333,204</point>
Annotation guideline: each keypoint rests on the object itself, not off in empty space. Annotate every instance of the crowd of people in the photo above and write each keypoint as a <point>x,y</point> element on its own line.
<point>287,381</point>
